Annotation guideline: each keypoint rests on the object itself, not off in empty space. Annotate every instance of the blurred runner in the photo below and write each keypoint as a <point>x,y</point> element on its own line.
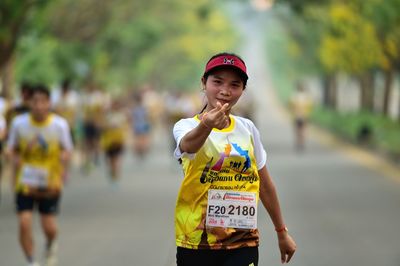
<point>300,104</point>
<point>22,105</point>
<point>151,100</point>
<point>113,138</point>
<point>39,146</point>
<point>94,104</point>
<point>178,106</point>
<point>141,126</point>
<point>3,132</point>
<point>225,174</point>
<point>65,102</point>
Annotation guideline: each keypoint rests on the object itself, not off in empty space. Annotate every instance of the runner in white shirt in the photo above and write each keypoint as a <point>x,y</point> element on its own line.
<point>40,146</point>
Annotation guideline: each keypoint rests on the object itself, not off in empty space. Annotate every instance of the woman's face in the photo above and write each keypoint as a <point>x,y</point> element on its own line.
<point>224,86</point>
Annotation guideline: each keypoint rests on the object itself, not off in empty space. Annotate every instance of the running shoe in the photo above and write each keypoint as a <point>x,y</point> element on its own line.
<point>51,255</point>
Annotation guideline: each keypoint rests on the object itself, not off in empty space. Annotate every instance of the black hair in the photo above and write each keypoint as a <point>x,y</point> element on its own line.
<point>66,84</point>
<point>242,76</point>
<point>41,89</point>
<point>26,87</point>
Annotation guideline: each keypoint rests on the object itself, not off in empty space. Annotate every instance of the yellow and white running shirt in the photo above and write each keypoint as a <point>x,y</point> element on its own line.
<point>217,202</point>
<point>39,146</point>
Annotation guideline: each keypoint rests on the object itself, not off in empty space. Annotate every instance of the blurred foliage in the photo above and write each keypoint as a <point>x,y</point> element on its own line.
<point>350,44</point>
<point>354,38</point>
<point>384,132</point>
<point>348,36</point>
<point>121,44</point>
<point>357,38</point>
<point>13,15</point>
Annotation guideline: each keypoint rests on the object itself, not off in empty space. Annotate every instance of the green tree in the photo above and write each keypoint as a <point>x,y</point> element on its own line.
<point>129,43</point>
<point>13,15</point>
<point>386,19</point>
<point>351,45</point>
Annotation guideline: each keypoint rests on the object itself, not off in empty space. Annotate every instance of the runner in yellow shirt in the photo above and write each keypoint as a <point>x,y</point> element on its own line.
<point>225,173</point>
<point>113,138</point>
<point>40,146</point>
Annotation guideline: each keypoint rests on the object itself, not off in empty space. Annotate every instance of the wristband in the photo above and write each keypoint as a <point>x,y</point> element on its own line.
<point>282,229</point>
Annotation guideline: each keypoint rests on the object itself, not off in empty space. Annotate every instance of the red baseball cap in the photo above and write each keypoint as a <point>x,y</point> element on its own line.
<point>226,61</point>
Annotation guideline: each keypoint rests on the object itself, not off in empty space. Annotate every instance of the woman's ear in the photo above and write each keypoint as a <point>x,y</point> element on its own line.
<point>203,83</point>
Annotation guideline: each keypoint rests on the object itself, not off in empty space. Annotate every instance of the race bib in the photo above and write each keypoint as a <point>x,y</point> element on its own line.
<point>34,176</point>
<point>232,209</point>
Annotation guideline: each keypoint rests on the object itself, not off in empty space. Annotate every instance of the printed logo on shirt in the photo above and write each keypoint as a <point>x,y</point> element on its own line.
<point>239,164</point>
<point>237,150</point>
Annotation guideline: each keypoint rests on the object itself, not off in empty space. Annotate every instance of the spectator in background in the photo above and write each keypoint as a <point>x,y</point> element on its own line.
<point>141,127</point>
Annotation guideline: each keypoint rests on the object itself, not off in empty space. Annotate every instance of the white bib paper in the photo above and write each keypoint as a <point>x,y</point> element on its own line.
<point>232,209</point>
<point>34,176</point>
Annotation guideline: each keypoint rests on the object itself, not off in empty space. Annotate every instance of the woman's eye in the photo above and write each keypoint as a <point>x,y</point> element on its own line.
<point>235,86</point>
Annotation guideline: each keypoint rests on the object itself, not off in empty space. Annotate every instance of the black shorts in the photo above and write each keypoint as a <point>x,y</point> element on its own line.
<point>300,122</point>
<point>211,257</point>
<point>114,150</point>
<point>44,205</point>
<point>91,131</point>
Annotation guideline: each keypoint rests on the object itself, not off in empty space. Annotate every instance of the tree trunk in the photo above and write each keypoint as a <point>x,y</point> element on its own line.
<point>6,77</point>
<point>12,17</point>
<point>398,114</point>
<point>389,76</point>
<point>367,91</point>
<point>330,91</point>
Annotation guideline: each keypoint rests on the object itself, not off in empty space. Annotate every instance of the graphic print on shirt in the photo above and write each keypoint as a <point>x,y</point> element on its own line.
<point>237,162</point>
<point>39,146</point>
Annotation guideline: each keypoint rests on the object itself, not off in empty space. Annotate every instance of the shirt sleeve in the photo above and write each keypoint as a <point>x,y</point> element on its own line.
<point>181,128</point>
<point>12,135</point>
<point>3,125</point>
<point>66,139</point>
<point>259,151</point>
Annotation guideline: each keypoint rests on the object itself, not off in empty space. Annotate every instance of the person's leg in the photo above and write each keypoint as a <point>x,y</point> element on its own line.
<point>198,257</point>
<point>48,209</point>
<point>25,234</point>
<point>24,208</point>
<point>241,257</point>
<point>299,134</point>
<point>114,162</point>
<point>50,229</point>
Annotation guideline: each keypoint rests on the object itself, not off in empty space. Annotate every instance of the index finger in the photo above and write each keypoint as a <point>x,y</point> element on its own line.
<point>224,107</point>
<point>289,256</point>
<point>219,106</point>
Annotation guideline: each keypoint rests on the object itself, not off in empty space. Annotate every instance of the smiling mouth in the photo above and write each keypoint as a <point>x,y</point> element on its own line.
<point>223,101</point>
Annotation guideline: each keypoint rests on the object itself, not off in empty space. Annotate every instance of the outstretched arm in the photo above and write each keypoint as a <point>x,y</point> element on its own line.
<point>194,139</point>
<point>269,198</point>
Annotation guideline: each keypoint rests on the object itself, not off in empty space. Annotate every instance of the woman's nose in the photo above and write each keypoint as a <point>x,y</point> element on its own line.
<point>225,91</point>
